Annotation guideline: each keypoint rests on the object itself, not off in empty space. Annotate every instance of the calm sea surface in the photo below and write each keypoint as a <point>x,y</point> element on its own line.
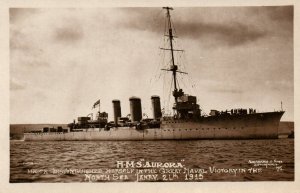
<point>234,160</point>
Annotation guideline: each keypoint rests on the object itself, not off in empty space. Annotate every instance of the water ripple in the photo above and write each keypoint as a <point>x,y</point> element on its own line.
<point>104,154</point>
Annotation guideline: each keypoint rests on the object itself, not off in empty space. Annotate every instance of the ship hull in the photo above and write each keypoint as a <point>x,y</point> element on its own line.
<point>250,126</point>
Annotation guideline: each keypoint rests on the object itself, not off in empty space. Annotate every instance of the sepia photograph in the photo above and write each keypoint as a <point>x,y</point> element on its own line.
<point>151,94</point>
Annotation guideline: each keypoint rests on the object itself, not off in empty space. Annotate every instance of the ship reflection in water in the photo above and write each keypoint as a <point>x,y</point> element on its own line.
<point>49,155</point>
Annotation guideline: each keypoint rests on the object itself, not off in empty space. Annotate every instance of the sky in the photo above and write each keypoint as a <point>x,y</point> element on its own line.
<point>63,60</point>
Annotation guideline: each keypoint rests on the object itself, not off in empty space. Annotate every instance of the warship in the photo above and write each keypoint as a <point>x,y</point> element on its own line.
<point>186,122</point>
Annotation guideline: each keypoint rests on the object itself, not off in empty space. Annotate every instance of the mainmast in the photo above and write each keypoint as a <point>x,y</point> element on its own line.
<point>173,68</point>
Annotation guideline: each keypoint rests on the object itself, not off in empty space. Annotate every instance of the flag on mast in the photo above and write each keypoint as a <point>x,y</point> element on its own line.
<point>96,104</point>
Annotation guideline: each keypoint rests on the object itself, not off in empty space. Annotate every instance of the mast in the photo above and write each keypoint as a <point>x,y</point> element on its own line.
<point>174,68</point>
<point>170,34</point>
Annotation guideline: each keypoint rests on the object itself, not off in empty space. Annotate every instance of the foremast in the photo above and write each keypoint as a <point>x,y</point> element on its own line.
<point>185,106</point>
<point>173,68</point>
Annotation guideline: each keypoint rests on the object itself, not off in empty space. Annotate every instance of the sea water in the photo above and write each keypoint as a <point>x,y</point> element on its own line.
<point>152,161</point>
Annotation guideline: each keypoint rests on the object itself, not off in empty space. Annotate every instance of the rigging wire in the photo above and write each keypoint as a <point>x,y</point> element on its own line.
<point>181,62</point>
<point>160,60</point>
<point>170,91</point>
<point>166,61</point>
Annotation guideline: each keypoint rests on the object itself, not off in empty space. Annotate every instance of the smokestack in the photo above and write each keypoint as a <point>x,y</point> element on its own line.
<point>135,109</point>
<point>156,107</point>
<point>117,110</point>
